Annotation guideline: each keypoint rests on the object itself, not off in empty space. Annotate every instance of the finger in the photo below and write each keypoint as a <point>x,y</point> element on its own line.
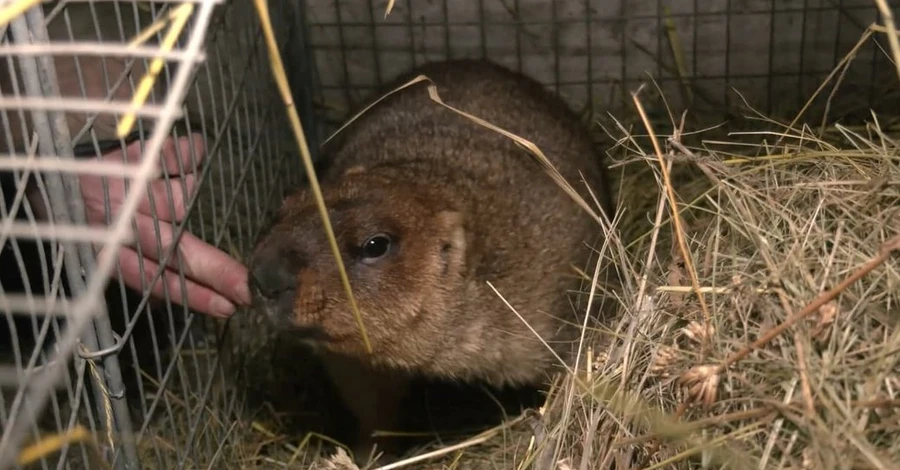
<point>169,197</point>
<point>139,274</point>
<point>200,261</point>
<point>181,159</point>
<point>189,150</point>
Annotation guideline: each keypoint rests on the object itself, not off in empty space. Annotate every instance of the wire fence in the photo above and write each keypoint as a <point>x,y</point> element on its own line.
<point>595,52</point>
<point>141,370</point>
<point>126,362</point>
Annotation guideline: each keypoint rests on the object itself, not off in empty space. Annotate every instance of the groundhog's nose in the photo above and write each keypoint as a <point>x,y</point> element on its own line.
<point>273,272</point>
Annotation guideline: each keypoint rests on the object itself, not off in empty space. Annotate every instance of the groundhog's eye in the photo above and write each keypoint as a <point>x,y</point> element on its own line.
<point>376,246</point>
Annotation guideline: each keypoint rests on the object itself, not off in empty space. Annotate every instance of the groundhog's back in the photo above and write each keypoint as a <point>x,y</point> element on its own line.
<point>408,124</point>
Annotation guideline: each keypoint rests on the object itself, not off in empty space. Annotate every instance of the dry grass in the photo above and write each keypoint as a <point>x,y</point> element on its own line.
<point>756,328</point>
<point>768,237</point>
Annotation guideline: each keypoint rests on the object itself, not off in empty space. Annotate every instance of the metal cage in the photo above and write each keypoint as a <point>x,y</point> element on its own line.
<point>707,56</point>
<point>80,350</point>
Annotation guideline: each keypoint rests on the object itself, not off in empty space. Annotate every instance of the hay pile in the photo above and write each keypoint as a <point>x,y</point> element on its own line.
<point>756,329</point>
<point>778,225</point>
<point>774,219</point>
<point>768,239</point>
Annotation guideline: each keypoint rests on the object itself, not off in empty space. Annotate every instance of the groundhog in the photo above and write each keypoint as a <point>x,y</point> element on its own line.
<point>428,208</point>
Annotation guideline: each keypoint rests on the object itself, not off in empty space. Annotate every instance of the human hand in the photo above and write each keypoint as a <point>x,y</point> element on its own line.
<point>214,281</point>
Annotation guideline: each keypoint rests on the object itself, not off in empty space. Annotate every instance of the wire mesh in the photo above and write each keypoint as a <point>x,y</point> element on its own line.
<point>595,52</point>
<point>132,364</point>
<point>143,375</point>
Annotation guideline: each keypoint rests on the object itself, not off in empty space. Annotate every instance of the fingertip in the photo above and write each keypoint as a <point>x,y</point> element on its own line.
<point>235,286</point>
<point>221,307</point>
<point>242,292</point>
<point>199,298</point>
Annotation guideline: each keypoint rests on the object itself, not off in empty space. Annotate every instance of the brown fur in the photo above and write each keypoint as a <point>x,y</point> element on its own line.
<point>467,207</point>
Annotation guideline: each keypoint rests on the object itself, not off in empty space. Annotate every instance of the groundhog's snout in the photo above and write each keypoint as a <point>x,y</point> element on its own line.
<point>273,278</point>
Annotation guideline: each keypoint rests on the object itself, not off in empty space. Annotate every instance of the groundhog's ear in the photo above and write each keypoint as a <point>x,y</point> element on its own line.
<point>451,229</point>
